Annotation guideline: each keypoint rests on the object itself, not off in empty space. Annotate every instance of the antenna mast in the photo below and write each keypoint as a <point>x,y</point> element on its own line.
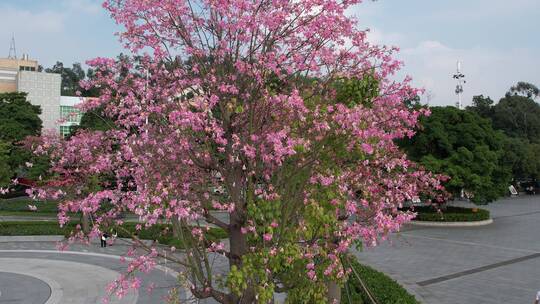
<point>12,49</point>
<point>459,87</point>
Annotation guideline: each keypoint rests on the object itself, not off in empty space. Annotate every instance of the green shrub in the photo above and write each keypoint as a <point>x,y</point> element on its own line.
<point>160,232</point>
<point>163,233</point>
<point>384,289</point>
<point>16,192</point>
<point>450,214</point>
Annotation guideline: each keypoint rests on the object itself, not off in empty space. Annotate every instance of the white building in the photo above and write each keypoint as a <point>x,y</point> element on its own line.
<point>43,89</point>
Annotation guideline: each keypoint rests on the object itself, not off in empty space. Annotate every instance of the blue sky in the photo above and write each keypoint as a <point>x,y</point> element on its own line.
<point>497,40</point>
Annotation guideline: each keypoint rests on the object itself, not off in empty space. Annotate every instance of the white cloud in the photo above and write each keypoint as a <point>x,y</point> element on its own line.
<point>85,6</point>
<point>498,47</point>
<point>24,21</point>
<point>367,10</point>
<point>376,36</point>
<point>58,30</point>
<point>488,71</point>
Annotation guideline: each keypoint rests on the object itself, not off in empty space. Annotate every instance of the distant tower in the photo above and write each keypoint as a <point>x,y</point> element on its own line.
<point>12,49</point>
<point>460,81</point>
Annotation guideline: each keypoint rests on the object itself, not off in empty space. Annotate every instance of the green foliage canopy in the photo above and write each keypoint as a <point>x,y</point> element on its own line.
<point>463,146</point>
<point>18,119</point>
<point>518,116</point>
<point>71,78</point>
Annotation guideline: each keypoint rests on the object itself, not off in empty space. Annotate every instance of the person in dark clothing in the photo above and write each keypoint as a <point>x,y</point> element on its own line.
<point>104,238</point>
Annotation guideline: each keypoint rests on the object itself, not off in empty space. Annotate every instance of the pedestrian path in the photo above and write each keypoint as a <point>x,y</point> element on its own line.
<point>497,263</point>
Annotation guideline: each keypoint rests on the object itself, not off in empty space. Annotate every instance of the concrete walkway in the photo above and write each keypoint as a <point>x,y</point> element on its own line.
<point>79,275</point>
<point>497,263</point>
<point>85,285</point>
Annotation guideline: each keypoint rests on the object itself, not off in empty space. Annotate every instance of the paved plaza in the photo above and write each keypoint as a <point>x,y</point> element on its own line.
<point>32,271</point>
<point>497,263</point>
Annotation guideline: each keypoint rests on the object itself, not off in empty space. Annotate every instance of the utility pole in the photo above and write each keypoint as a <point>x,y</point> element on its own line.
<point>12,49</point>
<point>459,87</point>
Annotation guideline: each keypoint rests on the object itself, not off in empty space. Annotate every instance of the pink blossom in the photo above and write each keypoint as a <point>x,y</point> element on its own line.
<point>207,117</point>
<point>312,275</point>
<point>367,148</point>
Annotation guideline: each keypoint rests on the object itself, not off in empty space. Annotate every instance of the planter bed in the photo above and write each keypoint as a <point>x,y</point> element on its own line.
<point>450,215</point>
<point>384,289</point>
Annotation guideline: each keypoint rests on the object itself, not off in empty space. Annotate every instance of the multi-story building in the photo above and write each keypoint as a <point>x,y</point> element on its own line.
<point>9,69</point>
<point>43,89</point>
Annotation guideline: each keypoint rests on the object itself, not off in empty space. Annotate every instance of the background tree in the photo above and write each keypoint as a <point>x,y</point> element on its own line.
<point>94,119</point>
<point>18,119</point>
<point>524,89</point>
<point>463,146</point>
<point>71,78</point>
<point>308,167</point>
<point>518,116</point>
<point>522,157</point>
<point>482,106</point>
<point>6,173</point>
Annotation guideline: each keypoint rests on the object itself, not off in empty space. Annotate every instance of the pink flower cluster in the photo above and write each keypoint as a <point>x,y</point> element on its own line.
<point>225,107</point>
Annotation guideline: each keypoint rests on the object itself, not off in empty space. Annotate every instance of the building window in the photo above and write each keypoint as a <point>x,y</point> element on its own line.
<point>65,131</point>
<point>70,114</point>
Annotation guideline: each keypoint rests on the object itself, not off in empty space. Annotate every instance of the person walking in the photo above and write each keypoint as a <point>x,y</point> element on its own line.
<point>537,301</point>
<point>104,238</point>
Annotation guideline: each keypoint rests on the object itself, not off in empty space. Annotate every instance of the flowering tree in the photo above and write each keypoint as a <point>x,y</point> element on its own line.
<point>279,113</point>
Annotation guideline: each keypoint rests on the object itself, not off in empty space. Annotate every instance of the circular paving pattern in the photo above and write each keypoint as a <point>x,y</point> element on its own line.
<point>69,282</point>
<point>52,277</point>
<point>19,288</point>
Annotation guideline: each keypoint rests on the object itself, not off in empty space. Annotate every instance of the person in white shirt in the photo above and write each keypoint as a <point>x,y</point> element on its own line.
<point>537,301</point>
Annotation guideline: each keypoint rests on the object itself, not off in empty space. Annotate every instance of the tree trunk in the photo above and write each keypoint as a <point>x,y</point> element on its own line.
<point>237,240</point>
<point>176,228</point>
<point>85,224</point>
<point>334,293</point>
<point>238,247</point>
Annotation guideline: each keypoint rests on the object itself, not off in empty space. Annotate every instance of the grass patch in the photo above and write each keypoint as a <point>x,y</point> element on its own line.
<point>451,214</point>
<point>384,289</point>
<point>19,206</point>
<point>160,232</point>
